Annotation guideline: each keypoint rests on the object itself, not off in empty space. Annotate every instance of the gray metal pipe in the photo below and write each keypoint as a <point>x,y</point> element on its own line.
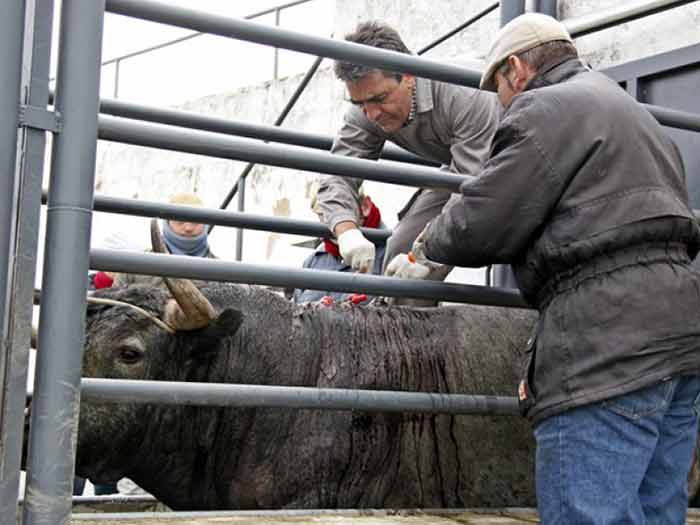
<point>249,221</point>
<point>11,366</point>
<point>241,207</point>
<point>674,118</point>
<point>55,406</point>
<point>459,28</point>
<point>605,19</point>
<point>547,7</point>
<point>11,36</point>
<point>284,277</point>
<point>296,41</point>
<point>191,120</point>
<point>204,143</point>
<point>110,499</point>
<point>264,396</point>
<point>511,9</point>
<point>37,43</point>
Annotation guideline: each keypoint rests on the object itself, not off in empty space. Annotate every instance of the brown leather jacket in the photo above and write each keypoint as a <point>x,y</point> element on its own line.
<point>584,194</point>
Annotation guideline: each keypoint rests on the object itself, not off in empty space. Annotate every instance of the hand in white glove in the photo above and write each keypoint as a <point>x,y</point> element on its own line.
<point>405,266</point>
<point>415,265</point>
<point>356,251</point>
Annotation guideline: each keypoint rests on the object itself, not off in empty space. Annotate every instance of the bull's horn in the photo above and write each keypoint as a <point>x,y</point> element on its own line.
<point>195,311</point>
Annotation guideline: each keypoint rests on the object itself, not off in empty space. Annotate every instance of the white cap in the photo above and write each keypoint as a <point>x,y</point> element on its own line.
<point>520,34</point>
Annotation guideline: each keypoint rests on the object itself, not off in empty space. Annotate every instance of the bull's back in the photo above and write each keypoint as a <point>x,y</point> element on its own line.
<point>344,459</point>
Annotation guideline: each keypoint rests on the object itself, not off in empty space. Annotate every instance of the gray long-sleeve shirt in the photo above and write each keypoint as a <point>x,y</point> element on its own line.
<point>454,126</point>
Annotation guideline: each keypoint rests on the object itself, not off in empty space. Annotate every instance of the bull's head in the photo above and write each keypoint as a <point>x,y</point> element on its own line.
<point>168,336</point>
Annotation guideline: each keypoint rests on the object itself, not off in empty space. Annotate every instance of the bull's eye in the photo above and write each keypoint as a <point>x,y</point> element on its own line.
<point>130,355</point>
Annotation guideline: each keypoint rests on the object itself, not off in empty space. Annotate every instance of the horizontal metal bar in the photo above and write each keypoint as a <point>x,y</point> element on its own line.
<point>665,116</point>
<point>111,499</point>
<point>216,145</point>
<point>600,20</point>
<point>192,120</point>
<point>674,118</point>
<point>279,517</point>
<point>233,395</point>
<point>293,40</point>
<point>284,277</point>
<point>189,37</point>
<point>223,218</point>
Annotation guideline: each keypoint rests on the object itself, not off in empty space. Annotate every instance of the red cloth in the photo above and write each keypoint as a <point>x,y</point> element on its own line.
<point>374,217</point>
<point>102,280</point>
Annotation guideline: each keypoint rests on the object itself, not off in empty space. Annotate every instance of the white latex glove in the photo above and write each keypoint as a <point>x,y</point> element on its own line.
<point>405,266</point>
<point>356,251</point>
<point>415,265</point>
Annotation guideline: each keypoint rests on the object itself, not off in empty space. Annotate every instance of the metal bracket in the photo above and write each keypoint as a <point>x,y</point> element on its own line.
<point>40,118</point>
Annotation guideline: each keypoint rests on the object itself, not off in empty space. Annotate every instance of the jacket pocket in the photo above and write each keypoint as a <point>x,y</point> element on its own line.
<point>526,392</point>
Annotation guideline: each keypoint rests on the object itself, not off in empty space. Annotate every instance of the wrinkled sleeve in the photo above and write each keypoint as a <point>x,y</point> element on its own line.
<point>473,117</point>
<point>501,209</point>
<point>338,196</point>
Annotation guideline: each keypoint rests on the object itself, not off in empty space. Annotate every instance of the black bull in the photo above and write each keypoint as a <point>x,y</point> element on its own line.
<point>247,458</point>
<point>244,458</point>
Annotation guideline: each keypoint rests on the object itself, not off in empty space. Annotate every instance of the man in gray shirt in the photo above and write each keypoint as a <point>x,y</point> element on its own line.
<point>445,123</point>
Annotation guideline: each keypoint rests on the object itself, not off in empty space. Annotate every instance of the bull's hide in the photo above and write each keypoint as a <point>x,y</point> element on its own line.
<point>226,458</point>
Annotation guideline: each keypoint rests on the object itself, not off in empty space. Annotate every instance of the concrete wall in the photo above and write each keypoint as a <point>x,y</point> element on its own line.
<point>127,171</point>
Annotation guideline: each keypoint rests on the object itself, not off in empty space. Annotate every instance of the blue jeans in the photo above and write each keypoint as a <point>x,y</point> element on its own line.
<point>623,460</point>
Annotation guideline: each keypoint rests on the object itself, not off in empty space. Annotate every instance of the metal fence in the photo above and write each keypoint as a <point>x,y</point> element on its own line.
<point>76,125</point>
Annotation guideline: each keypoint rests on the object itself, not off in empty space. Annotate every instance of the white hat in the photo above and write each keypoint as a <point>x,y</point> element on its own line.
<point>520,34</point>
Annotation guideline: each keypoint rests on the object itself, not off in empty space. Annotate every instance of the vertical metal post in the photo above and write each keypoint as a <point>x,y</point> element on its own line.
<point>547,7</point>
<point>511,9</point>
<point>35,81</point>
<point>116,78</point>
<point>11,37</point>
<point>11,31</point>
<point>241,208</point>
<point>55,406</point>
<point>275,70</point>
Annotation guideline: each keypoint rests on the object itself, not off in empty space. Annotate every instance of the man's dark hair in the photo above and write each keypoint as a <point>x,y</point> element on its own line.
<point>375,34</point>
<point>543,55</point>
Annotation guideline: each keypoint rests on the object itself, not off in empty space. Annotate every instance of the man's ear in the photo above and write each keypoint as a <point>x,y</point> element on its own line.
<point>522,73</point>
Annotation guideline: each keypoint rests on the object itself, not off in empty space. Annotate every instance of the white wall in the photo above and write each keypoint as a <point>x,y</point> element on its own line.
<point>135,172</point>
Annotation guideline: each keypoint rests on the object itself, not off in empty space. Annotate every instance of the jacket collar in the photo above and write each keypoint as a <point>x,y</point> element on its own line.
<point>556,72</point>
<point>424,95</point>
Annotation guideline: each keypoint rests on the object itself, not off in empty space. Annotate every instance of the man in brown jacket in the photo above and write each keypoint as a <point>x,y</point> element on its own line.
<point>584,194</point>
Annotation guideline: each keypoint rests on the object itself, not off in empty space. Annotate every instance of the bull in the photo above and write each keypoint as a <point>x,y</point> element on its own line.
<point>193,457</point>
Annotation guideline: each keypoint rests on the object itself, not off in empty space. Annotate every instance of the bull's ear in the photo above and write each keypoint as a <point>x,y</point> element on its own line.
<point>209,339</point>
<point>228,322</point>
